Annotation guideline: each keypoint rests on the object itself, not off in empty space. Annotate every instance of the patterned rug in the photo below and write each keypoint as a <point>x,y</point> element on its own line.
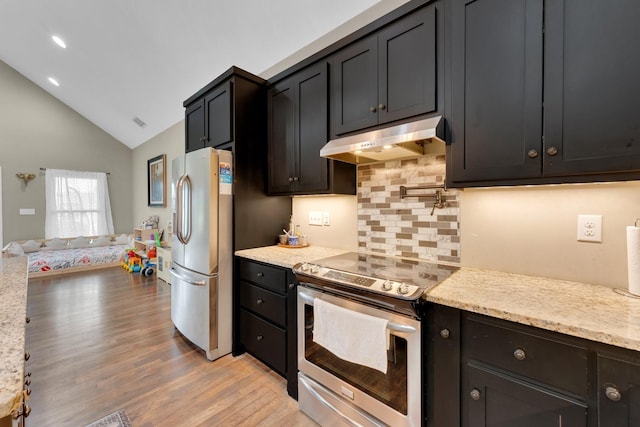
<point>117,419</point>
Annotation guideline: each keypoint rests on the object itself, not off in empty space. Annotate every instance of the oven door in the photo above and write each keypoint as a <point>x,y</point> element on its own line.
<point>334,391</point>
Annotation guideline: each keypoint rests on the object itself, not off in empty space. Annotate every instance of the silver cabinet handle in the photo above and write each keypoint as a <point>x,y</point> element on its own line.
<point>259,301</point>
<point>372,109</point>
<point>613,394</point>
<point>475,394</point>
<point>519,354</point>
<point>259,338</point>
<point>382,106</point>
<point>445,333</point>
<point>533,154</point>
<point>552,151</point>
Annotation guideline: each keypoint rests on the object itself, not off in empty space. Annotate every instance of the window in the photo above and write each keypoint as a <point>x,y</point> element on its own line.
<point>77,204</point>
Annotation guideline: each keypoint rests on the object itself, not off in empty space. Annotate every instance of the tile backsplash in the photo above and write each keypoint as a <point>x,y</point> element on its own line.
<point>406,227</point>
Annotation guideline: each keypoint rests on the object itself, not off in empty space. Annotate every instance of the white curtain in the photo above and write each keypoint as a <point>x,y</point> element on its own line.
<point>77,204</point>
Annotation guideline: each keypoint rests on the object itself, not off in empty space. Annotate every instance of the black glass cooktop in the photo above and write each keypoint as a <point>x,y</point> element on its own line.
<point>423,274</point>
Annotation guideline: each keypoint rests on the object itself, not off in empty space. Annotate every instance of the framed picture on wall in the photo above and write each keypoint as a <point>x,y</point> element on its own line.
<point>156,182</point>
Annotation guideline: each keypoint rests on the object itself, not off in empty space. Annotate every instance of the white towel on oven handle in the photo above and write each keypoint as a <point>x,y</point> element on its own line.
<point>350,335</point>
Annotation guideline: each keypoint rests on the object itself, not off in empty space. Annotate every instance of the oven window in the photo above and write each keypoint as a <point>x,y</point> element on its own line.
<point>389,388</point>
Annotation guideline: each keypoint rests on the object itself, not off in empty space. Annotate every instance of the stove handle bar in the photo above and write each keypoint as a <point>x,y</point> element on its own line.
<point>392,326</point>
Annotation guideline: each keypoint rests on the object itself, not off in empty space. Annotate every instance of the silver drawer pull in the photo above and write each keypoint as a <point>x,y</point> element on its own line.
<point>259,301</point>
<point>259,338</point>
<point>519,354</point>
<point>613,394</point>
<point>445,333</point>
<point>475,394</point>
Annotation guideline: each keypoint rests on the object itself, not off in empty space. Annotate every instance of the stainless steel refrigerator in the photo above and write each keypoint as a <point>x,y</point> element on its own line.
<point>202,249</point>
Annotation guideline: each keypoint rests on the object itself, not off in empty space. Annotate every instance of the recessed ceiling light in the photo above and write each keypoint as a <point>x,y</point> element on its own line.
<point>54,81</point>
<point>59,41</point>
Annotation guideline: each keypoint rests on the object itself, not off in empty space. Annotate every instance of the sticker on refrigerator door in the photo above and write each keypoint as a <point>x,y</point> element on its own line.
<point>226,178</point>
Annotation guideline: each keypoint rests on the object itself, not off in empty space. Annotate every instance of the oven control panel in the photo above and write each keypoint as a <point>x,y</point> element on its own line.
<point>378,285</point>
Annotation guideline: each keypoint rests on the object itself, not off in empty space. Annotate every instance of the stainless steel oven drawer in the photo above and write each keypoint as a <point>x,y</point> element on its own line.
<point>264,340</point>
<point>267,304</point>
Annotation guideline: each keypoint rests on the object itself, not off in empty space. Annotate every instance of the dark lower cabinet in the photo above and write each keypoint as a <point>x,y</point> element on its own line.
<point>265,317</point>
<point>499,399</point>
<point>618,391</point>
<point>483,371</point>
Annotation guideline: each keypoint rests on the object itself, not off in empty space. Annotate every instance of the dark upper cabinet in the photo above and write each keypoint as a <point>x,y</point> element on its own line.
<point>591,90</point>
<point>297,130</point>
<point>232,112</point>
<point>543,92</point>
<point>618,392</point>
<point>208,120</point>
<point>496,79</point>
<point>194,126</point>
<point>387,76</point>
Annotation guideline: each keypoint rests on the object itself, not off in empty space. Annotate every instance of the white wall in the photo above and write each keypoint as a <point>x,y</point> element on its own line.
<point>533,230</point>
<point>342,233</point>
<point>376,11</point>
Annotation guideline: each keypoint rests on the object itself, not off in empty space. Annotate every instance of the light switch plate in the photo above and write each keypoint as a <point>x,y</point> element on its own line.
<point>315,218</point>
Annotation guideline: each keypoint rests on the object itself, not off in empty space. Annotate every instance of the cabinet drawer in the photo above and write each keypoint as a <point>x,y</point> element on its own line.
<point>264,340</point>
<point>269,277</point>
<point>542,359</point>
<point>267,304</point>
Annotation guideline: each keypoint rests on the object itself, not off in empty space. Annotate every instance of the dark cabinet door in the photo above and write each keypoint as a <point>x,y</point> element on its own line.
<point>312,174</point>
<point>407,67</point>
<point>298,122</point>
<point>281,119</point>
<point>387,76</point>
<point>491,398</point>
<point>496,48</point>
<point>194,126</point>
<point>218,105</point>
<point>592,95</point>
<point>618,393</point>
<point>354,86</point>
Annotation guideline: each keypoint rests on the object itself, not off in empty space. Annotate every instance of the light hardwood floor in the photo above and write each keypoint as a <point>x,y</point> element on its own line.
<point>103,340</point>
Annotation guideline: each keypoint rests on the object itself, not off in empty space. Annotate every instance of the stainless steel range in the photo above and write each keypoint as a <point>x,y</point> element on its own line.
<point>336,387</point>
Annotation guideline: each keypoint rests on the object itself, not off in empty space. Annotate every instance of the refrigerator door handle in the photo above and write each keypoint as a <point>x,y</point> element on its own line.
<point>187,202</point>
<point>184,279</point>
<point>178,223</point>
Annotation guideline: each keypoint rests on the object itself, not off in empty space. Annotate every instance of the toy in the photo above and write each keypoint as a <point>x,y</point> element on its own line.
<point>149,268</point>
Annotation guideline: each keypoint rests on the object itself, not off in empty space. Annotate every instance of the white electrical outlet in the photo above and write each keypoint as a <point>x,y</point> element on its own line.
<point>326,218</point>
<point>590,228</point>
<point>315,218</point>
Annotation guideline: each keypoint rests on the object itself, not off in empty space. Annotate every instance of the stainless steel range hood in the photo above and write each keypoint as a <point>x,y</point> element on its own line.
<point>396,142</point>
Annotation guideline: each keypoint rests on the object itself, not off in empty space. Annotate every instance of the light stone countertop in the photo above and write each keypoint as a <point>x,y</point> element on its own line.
<point>288,257</point>
<point>594,312</point>
<point>13,312</point>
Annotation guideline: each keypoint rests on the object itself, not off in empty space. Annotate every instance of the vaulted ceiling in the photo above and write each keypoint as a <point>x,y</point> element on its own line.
<point>127,59</point>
